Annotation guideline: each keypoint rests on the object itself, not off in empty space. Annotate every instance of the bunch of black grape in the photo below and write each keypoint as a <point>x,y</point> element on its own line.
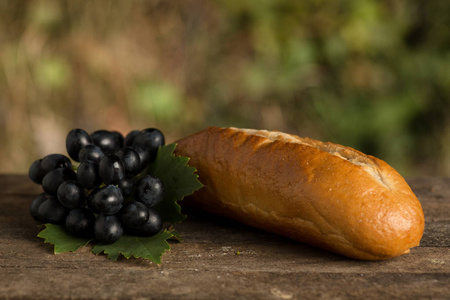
<point>108,193</point>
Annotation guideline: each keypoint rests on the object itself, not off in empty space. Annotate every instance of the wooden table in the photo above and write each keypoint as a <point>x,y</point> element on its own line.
<point>220,259</point>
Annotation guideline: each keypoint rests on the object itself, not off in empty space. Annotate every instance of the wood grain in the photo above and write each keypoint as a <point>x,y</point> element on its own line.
<point>220,259</point>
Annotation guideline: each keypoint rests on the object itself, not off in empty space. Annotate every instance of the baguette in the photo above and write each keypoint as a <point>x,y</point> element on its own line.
<point>323,194</point>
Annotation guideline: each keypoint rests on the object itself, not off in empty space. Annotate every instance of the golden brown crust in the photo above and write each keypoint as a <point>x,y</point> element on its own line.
<point>324,194</point>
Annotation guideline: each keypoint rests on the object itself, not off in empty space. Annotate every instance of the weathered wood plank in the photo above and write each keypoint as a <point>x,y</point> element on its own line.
<point>220,259</point>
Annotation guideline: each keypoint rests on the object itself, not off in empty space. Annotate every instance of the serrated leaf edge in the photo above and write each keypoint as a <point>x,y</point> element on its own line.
<point>55,247</point>
<point>114,256</point>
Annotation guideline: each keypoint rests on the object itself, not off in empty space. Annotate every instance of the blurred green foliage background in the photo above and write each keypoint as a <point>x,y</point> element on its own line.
<point>373,75</point>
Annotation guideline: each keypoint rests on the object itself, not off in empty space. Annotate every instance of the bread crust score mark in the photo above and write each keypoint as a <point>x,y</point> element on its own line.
<point>323,194</point>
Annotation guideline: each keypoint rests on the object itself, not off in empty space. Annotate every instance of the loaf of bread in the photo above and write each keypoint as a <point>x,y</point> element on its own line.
<point>323,194</point>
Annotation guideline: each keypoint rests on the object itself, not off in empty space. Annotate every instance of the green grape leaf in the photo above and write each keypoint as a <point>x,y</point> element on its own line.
<point>62,241</point>
<point>176,236</point>
<point>151,248</point>
<point>179,181</point>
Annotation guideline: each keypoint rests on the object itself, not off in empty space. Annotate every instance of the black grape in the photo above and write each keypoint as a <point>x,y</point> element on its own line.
<point>108,229</point>
<point>150,228</point>
<point>131,161</point>
<point>80,222</point>
<point>127,186</point>
<point>150,139</point>
<point>55,161</point>
<point>128,142</point>
<point>107,200</point>
<point>119,138</point>
<point>36,173</point>
<point>149,190</point>
<point>41,167</point>
<point>87,175</point>
<point>134,214</point>
<point>111,169</point>
<point>54,178</point>
<point>108,141</point>
<point>36,203</point>
<point>90,201</point>
<point>52,211</point>
<point>145,157</point>
<point>71,194</point>
<point>92,153</point>
<point>75,140</point>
